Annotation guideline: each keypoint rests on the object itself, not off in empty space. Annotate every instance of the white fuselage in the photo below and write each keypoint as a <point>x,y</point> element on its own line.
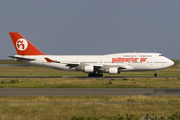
<point>126,61</point>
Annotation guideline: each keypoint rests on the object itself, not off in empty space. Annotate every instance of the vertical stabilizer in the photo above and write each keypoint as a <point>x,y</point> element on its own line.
<point>23,46</point>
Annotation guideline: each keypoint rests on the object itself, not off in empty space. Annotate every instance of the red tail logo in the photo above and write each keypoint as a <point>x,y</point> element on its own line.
<point>23,46</point>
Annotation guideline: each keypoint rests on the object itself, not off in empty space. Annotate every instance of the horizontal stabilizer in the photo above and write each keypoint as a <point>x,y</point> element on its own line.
<point>22,58</point>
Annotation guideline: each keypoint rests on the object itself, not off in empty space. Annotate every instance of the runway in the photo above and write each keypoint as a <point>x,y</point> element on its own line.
<point>86,77</point>
<point>87,91</point>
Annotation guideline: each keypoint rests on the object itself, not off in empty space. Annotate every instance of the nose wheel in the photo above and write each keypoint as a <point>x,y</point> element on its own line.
<point>155,75</point>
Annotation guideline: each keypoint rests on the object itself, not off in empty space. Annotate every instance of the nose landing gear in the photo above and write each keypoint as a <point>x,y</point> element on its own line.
<point>155,75</point>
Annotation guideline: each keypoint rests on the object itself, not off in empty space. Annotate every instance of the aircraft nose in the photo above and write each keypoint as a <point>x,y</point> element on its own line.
<point>171,62</point>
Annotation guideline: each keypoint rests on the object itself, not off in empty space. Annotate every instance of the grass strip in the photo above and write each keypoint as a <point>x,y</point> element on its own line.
<point>85,106</point>
<point>144,82</point>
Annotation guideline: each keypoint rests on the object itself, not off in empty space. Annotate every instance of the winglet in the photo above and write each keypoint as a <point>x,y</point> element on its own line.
<point>49,60</point>
<point>23,46</point>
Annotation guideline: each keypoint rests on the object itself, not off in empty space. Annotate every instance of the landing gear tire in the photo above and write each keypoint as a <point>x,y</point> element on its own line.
<point>95,75</point>
<point>101,75</point>
<point>90,75</point>
<point>155,75</point>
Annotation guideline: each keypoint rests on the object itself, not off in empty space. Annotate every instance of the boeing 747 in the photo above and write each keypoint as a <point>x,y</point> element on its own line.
<point>94,65</point>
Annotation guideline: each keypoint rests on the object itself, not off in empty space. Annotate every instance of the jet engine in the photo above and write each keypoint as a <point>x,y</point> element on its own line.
<point>112,71</point>
<point>88,69</point>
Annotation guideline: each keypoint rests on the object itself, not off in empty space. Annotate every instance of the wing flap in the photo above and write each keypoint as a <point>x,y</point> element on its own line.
<point>118,66</point>
<point>79,65</point>
<point>72,65</point>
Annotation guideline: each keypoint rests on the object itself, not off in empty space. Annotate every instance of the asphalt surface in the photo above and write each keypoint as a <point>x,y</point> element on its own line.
<point>87,91</point>
<point>86,77</point>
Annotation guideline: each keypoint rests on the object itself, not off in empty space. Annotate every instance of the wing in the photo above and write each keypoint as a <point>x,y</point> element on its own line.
<point>21,58</point>
<point>97,67</point>
<point>118,66</point>
<point>72,65</point>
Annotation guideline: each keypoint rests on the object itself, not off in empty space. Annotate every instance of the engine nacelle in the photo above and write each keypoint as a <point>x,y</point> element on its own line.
<point>88,69</point>
<point>112,71</point>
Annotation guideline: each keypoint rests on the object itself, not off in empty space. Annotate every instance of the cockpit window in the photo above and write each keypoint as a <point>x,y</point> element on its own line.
<point>160,55</point>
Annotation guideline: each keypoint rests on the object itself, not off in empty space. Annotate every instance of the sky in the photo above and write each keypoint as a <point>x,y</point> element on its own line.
<point>92,27</point>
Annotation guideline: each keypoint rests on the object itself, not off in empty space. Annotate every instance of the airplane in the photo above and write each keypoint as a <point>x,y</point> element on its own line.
<point>94,65</point>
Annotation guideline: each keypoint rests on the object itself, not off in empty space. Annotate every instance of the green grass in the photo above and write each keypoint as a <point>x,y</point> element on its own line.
<point>63,107</point>
<point>176,63</point>
<point>144,82</point>
<point>10,61</point>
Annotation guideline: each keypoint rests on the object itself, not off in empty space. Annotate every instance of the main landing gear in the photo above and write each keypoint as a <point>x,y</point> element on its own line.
<point>95,75</point>
<point>155,75</point>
